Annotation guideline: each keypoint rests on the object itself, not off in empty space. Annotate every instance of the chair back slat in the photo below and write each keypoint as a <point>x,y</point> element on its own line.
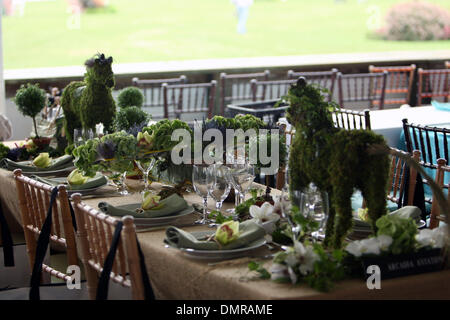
<point>421,140</point>
<point>189,98</point>
<point>325,79</point>
<point>399,83</point>
<point>441,170</point>
<point>235,88</point>
<point>362,87</point>
<point>152,90</point>
<point>34,201</point>
<point>397,177</point>
<point>351,119</point>
<point>95,231</point>
<point>433,84</point>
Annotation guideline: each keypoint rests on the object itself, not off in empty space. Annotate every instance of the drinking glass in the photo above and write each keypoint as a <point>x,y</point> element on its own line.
<point>218,185</point>
<point>241,177</point>
<point>118,180</point>
<point>318,211</point>
<point>200,184</point>
<point>77,137</point>
<point>146,165</point>
<point>87,134</point>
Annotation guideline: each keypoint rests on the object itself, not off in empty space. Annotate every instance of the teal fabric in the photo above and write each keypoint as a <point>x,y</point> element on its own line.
<point>169,206</point>
<point>357,200</point>
<point>442,106</point>
<point>428,171</point>
<point>96,181</point>
<point>27,166</point>
<point>249,232</point>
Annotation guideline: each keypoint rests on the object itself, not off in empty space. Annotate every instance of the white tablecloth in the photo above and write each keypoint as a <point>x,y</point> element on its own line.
<point>389,122</point>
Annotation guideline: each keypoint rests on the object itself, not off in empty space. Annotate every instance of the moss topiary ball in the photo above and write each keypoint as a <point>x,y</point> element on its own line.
<point>130,96</point>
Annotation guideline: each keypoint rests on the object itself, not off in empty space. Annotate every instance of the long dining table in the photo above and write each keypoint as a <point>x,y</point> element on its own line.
<point>175,276</point>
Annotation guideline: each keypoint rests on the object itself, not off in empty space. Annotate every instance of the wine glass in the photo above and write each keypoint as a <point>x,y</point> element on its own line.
<point>200,184</point>
<point>118,179</point>
<point>318,211</point>
<point>88,134</point>
<point>146,165</point>
<point>241,177</point>
<point>77,137</point>
<point>218,185</point>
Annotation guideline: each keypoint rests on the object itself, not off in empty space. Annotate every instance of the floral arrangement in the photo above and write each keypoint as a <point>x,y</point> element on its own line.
<point>30,100</point>
<point>130,97</point>
<point>416,21</point>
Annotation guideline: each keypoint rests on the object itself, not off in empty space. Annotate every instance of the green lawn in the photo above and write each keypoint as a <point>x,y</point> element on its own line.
<point>161,30</point>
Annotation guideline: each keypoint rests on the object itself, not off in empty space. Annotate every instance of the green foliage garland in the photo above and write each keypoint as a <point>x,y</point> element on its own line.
<point>336,160</point>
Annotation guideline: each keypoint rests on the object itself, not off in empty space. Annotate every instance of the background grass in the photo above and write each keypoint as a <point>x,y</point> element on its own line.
<point>161,30</point>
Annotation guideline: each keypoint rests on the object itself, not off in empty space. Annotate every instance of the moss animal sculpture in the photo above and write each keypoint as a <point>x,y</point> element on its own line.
<point>335,160</point>
<point>86,103</point>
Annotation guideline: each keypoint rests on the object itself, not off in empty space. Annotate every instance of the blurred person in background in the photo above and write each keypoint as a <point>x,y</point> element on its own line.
<point>5,128</point>
<point>242,9</point>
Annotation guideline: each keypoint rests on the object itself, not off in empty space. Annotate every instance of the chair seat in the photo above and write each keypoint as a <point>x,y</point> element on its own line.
<point>52,292</point>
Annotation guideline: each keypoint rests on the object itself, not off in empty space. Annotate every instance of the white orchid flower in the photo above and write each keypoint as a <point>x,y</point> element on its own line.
<point>354,248</point>
<point>264,213</point>
<point>277,205</point>
<point>278,271</point>
<point>384,241</point>
<point>434,238</point>
<point>292,275</point>
<point>306,257</point>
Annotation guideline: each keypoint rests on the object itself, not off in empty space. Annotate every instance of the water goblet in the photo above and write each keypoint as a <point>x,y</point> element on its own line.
<point>146,165</point>
<point>77,137</point>
<point>200,184</point>
<point>218,185</point>
<point>319,208</point>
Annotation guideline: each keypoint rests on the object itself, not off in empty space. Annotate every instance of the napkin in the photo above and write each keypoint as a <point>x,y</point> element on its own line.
<point>249,232</point>
<point>443,106</point>
<point>27,166</point>
<point>412,212</point>
<point>170,206</point>
<point>96,181</point>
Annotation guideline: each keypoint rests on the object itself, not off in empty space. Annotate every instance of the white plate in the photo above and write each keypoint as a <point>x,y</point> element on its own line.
<point>219,254</point>
<point>149,222</point>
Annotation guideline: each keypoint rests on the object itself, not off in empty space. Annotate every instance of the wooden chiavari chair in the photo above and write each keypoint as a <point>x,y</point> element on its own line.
<point>189,98</point>
<point>399,82</point>
<point>325,79</point>
<point>236,88</point>
<point>351,119</point>
<point>441,170</point>
<point>96,233</point>
<point>35,200</point>
<point>402,183</point>
<point>362,87</point>
<point>433,84</point>
<point>433,142</point>
<point>152,89</point>
<point>270,89</point>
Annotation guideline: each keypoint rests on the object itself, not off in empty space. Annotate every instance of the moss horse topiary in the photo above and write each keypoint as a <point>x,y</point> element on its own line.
<point>89,102</point>
<point>335,160</point>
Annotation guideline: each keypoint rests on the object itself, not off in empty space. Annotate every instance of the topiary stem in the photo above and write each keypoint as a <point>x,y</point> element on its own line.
<point>35,127</point>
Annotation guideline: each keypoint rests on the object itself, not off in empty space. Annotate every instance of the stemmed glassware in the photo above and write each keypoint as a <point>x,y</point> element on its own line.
<point>118,180</point>
<point>293,197</point>
<point>218,184</point>
<point>81,135</point>
<point>200,184</point>
<point>146,166</point>
<point>318,211</point>
<point>241,177</point>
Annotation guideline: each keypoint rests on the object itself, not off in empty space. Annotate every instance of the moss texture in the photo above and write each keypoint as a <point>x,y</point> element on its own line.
<point>86,103</point>
<point>335,160</point>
